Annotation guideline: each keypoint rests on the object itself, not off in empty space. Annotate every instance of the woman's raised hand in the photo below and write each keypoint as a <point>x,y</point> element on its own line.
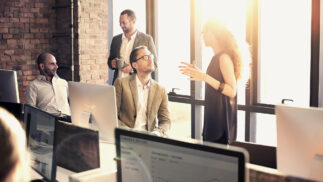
<point>192,71</point>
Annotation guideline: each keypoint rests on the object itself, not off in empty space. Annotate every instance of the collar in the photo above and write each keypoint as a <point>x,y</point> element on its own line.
<point>43,78</point>
<point>139,84</point>
<point>132,37</point>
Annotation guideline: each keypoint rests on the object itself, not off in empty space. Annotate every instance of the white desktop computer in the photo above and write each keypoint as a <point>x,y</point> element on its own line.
<point>300,141</point>
<point>94,106</point>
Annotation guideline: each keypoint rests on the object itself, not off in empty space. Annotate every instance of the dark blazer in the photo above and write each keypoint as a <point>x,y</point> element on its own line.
<point>140,40</point>
<point>127,102</point>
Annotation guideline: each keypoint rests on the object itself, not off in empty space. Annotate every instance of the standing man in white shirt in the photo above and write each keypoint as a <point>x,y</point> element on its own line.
<point>124,43</point>
<point>48,91</point>
<point>142,103</point>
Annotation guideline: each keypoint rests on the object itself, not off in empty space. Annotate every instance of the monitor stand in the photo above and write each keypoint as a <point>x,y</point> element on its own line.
<point>316,168</point>
<point>87,117</point>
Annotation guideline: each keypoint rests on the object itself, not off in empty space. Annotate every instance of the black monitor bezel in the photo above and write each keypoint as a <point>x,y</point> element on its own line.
<point>27,128</point>
<point>206,146</point>
<point>14,108</point>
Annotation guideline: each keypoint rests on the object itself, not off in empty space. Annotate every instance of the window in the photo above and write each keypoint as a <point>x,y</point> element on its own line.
<point>284,51</point>
<point>138,6</point>
<point>173,43</point>
<point>280,36</point>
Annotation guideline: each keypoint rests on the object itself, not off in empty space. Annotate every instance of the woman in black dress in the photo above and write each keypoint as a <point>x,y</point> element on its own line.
<point>223,72</point>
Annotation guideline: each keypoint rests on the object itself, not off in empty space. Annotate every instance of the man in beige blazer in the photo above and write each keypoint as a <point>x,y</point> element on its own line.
<point>141,102</point>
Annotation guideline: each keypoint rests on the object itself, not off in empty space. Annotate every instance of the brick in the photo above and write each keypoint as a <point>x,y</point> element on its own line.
<point>34,30</point>
<point>12,41</point>
<point>27,73</point>
<point>24,20</point>
<point>39,5</point>
<point>13,20</point>
<point>25,83</point>
<point>31,77</point>
<point>28,36</point>
<point>28,15</point>
<point>5,58</point>
<point>42,20</point>
<point>19,52</point>
<point>2,20</point>
<point>13,30</point>
<point>39,36</point>
<point>4,30</point>
<point>9,52</point>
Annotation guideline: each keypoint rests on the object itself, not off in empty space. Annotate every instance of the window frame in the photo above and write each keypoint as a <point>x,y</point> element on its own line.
<point>251,106</point>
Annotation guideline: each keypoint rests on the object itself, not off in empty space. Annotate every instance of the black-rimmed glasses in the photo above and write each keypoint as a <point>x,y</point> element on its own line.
<point>147,57</point>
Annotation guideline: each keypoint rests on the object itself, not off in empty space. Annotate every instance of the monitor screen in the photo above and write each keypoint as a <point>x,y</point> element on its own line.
<point>9,92</point>
<point>77,148</point>
<point>300,141</point>
<point>40,128</point>
<point>13,108</point>
<point>143,157</point>
<point>94,106</point>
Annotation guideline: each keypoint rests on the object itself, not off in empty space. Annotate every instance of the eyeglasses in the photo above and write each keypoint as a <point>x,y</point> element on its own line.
<point>146,57</point>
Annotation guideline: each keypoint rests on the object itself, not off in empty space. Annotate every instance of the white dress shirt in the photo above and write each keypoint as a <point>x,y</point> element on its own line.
<point>125,50</point>
<point>49,97</point>
<point>141,117</point>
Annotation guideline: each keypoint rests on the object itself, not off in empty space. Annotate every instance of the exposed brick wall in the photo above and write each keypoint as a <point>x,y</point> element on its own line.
<point>92,42</point>
<point>29,27</point>
<point>26,28</point>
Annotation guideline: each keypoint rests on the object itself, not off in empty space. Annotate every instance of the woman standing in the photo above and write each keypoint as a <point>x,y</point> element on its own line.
<point>223,72</point>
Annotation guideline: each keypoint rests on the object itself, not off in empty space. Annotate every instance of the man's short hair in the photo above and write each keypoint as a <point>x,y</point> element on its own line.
<point>42,58</point>
<point>134,54</point>
<point>131,14</point>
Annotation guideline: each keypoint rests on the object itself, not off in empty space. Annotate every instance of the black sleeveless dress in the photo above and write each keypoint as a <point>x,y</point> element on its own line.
<point>220,111</point>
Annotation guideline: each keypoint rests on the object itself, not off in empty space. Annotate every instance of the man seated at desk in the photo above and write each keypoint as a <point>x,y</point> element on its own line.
<point>141,102</point>
<point>49,92</point>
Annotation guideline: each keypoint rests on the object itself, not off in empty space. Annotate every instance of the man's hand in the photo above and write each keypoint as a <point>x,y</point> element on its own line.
<point>127,69</point>
<point>114,63</point>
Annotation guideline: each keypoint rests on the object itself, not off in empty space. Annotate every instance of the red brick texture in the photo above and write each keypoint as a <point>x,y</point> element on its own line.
<point>92,42</point>
<point>29,27</point>
<point>26,28</point>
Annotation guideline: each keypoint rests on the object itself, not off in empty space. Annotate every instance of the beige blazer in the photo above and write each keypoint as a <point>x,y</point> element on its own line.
<point>157,106</point>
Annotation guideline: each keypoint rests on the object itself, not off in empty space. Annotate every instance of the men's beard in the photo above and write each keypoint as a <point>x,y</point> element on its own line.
<point>48,72</point>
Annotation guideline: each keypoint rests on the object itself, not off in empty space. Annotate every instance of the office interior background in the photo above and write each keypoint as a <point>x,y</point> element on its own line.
<point>284,38</point>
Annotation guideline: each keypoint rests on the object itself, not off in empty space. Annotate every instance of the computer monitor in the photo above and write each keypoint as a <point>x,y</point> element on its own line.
<point>77,148</point>
<point>94,106</point>
<point>13,108</point>
<point>142,157</point>
<point>40,127</point>
<point>300,141</point>
<point>9,86</point>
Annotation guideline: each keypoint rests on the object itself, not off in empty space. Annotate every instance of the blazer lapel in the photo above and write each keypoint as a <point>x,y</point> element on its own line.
<point>134,91</point>
<point>152,94</point>
<point>119,42</point>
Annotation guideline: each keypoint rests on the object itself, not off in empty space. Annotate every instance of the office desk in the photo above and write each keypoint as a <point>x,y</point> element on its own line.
<point>107,162</point>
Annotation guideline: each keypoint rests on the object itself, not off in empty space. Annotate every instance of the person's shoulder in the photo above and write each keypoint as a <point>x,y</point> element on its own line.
<point>35,81</point>
<point>225,57</point>
<point>61,80</point>
<point>143,35</point>
<point>122,80</point>
<point>117,36</point>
